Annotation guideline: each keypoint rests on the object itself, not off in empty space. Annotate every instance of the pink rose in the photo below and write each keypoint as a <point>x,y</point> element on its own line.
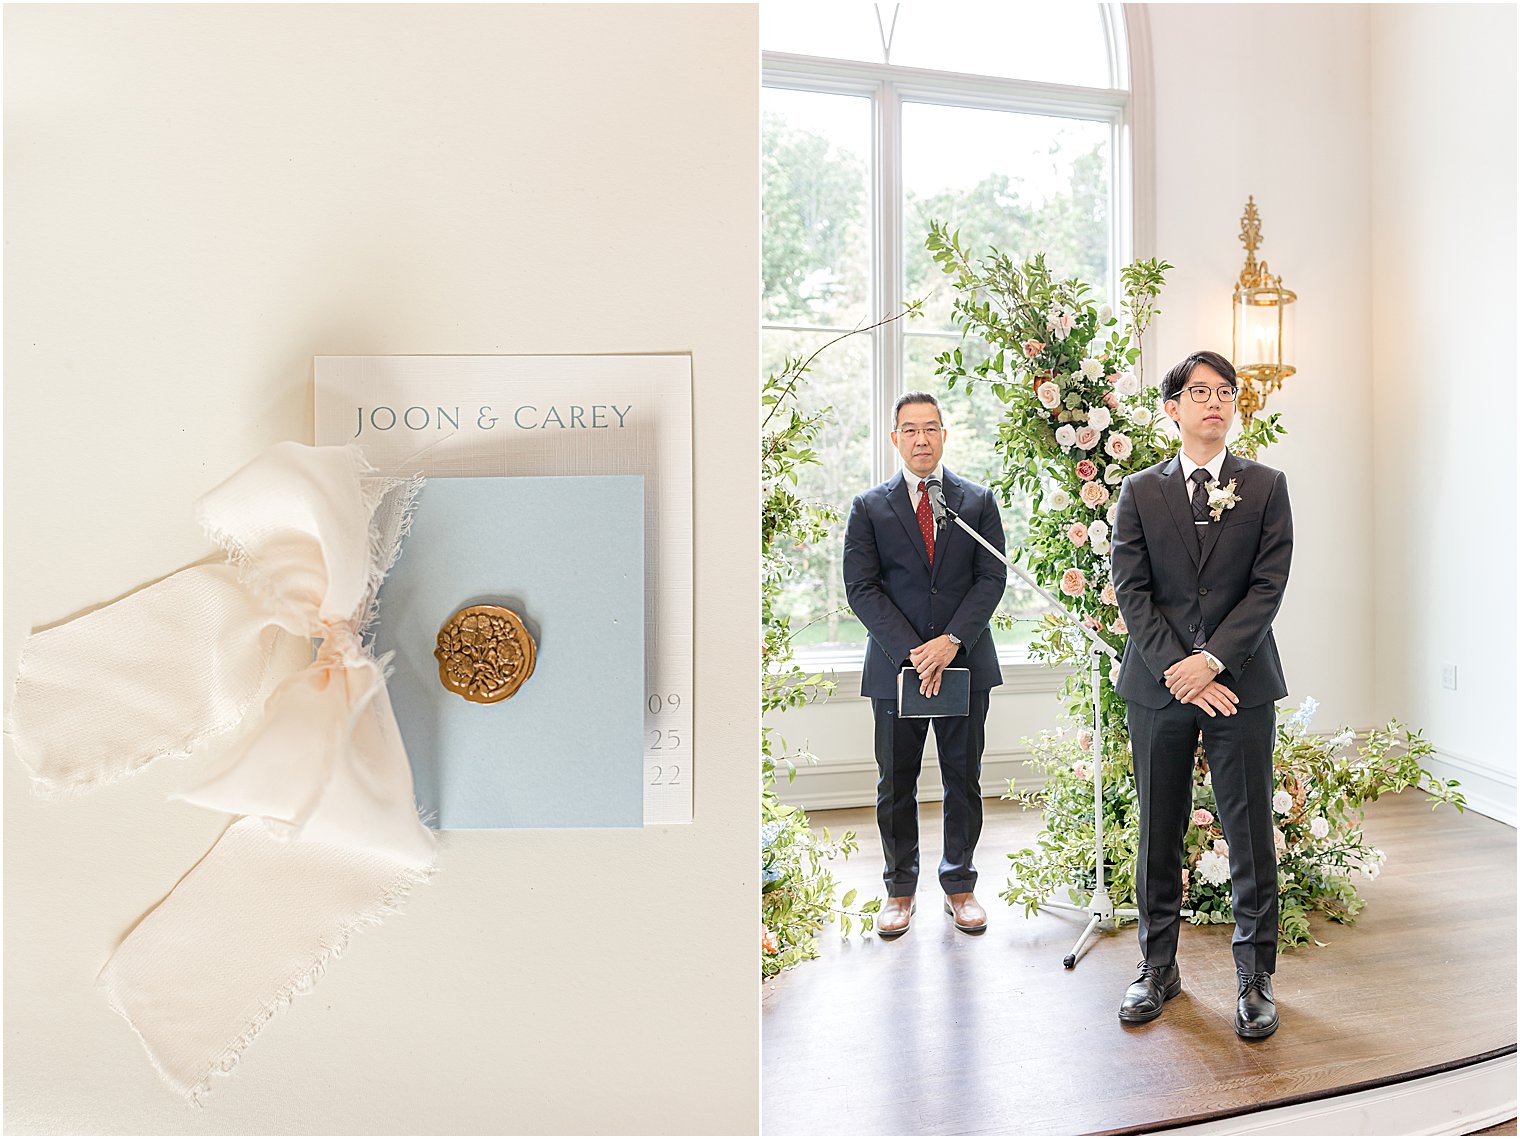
<point>1081,770</point>
<point>1202,818</point>
<point>1119,627</point>
<point>1087,437</point>
<point>1033,348</point>
<point>1108,596</point>
<point>1113,673</point>
<point>1077,532</point>
<point>1073,582</point>
<point>1221,848</point>
<point>1119,446</point>
<point>769,942</point>
<point>1111,399</point>
<point>1094,494</point>
<point>1087,469</point>
<point>1049,395</point>
<point>1084,739</point>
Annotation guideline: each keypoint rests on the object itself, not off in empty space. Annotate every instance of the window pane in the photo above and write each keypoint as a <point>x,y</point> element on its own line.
<point>1051,43</point>
<point>971,419</point>
<point>840,378</point>
<point>834,31</point>
<point>1024,183</point>
<point>816,205</point>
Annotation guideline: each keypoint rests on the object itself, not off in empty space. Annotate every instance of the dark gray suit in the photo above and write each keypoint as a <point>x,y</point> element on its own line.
<point>1175,597</point>
<point>903,603</point>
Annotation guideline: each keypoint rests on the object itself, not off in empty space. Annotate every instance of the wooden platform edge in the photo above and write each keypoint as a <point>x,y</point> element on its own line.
<point>1455,1097</point>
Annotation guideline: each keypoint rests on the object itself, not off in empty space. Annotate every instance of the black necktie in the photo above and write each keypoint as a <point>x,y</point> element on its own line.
<point>1200,501</point>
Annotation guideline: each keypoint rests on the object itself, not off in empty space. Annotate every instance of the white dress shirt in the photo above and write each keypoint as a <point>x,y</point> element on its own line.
<point>913,480</point>
<point>1213,467</point>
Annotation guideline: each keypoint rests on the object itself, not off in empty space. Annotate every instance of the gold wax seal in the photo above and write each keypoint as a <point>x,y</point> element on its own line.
<point>484,653</point>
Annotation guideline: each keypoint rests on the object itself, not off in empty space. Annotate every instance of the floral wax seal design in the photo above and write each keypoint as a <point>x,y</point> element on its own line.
<point>485,654</point>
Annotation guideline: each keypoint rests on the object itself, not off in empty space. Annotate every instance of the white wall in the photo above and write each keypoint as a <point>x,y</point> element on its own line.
<point>1299,142</point>
<point>1443,351</point>
<point>198,200</point>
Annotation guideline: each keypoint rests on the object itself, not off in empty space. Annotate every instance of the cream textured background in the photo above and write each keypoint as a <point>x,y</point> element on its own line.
<point>200,199</point>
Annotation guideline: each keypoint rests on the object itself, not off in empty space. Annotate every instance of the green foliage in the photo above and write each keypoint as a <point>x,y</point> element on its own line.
<point>797,888</point>
<point>1060,363</point>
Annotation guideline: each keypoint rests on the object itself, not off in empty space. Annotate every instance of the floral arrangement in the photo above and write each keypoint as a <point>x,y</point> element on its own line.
<point>798,892</point>
<point>1080,416</point>
<point>1322,783</point>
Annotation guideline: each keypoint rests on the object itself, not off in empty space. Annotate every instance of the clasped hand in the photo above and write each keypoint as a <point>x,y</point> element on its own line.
<point>930,660</point>
<point>1191,681</point>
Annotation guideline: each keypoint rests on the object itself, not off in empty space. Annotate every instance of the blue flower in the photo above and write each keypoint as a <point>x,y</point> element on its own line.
<point>768,875</point>
<point>1298,722</point>
<point>769,832</point>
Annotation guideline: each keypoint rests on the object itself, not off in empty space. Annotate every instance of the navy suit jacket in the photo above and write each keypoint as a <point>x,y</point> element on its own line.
<point>902,601</point>
<point>1168,588</point>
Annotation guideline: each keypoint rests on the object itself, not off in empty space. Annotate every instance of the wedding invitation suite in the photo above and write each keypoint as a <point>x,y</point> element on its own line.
<point>566,555</point>
<point>466,417</point>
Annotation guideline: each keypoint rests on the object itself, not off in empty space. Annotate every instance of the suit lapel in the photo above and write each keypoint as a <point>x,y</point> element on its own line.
<point>902,506</point>
<point>1229,469</point>
<point>1175,493</point>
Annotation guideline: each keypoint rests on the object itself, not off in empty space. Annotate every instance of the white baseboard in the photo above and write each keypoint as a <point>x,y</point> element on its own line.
<point>1455,1102</point>
<point>852,783</point>
<point>1490,790</point>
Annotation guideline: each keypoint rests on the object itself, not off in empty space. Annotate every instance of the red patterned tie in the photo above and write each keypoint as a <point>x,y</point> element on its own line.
<point>926,519</point>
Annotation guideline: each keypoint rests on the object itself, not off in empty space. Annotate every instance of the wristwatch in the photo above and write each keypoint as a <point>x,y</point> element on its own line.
<point>954,640</point>
<point>1215,665</point>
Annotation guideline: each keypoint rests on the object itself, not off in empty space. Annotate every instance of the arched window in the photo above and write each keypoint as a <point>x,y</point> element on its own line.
<point>1008,122</point>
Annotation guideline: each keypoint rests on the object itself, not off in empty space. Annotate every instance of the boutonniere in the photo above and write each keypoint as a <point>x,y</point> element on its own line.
<point>1221,498</point>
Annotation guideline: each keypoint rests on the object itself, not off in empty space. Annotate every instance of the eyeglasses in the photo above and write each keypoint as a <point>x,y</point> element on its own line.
<point>1201,394</point>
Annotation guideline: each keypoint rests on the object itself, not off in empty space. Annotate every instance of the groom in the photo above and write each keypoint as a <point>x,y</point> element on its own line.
<point>1201,548</point>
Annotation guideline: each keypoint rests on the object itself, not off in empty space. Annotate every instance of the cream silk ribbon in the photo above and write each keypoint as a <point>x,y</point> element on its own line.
<point>328,836</point>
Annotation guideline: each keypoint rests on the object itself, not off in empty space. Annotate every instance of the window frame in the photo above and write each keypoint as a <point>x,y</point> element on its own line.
<point>888,87</point>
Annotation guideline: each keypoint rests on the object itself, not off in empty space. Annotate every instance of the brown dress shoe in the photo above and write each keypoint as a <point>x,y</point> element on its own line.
<point>967,912</point>
<point>894,917</point>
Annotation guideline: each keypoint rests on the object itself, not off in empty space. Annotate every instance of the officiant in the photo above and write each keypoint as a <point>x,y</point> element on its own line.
<point>925,592</point>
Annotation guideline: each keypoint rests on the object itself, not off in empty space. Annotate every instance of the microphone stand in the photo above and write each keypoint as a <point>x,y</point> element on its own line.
<point>1101,908</point>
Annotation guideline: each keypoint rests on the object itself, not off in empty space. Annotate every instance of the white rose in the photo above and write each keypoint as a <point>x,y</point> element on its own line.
<point>1142,416</point>
<point>1112,474</point>
<point>1213,869</point>
<point>1127,384</point>
<point>1104,312</point>
<point>1099,547</point>
<point>1066,435</point>
<point>1059,499</point>
<point>1113,513</point>
<point>1098,531</point>
<point>1049,395</point>
<point>1092,369</point>
<point>1113,673</point>
<point>1319,826</point>
<point>1099,417</point>
<point>1282,802</point>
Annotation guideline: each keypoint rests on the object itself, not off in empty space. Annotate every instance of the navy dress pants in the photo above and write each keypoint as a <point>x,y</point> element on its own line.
<point>899,758</point>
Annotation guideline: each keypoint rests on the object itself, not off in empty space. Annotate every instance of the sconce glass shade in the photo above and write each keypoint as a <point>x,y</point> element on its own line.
<point>1263,333</point>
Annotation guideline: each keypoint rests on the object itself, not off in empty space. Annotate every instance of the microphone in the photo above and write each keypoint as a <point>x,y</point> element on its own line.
<point>936,492</point>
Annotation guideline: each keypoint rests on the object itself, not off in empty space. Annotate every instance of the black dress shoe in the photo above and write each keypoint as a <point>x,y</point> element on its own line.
<point>1255,1011</point>
<point>1156,985</point>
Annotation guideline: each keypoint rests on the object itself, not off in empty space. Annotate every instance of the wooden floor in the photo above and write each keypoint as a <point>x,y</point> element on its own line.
<point>939,1032</point>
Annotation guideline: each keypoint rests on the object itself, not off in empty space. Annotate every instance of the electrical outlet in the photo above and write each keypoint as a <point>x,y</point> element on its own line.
<point>1449,676</point>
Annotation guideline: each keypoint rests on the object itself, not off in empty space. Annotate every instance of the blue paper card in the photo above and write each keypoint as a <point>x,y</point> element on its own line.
<point>567,555</point>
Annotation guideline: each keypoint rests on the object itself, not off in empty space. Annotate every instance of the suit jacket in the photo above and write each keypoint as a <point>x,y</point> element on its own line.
<point>902,601</point>
<point>1168,588</point>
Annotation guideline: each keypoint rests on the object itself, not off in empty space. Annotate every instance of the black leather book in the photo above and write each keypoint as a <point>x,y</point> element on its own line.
<point>954,698</point>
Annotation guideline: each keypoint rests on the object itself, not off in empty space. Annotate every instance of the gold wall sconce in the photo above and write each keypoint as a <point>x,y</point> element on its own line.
<point>1262,329</point>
